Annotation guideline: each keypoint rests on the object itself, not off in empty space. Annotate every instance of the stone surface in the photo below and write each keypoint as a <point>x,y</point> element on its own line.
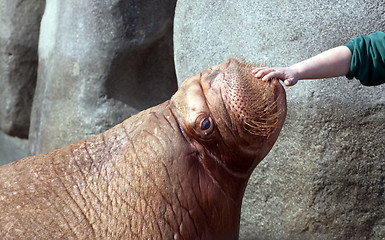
<point>19,34</point>
<point>12,148</point>
<point>324,179</point>
<point>99,63</point>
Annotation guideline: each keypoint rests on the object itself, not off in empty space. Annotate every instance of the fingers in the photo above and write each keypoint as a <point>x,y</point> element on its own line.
<point>257,71</point>
<point>267,74</point>
<point>271,75</point>
<point>288,77</point>
<point>262,73</point>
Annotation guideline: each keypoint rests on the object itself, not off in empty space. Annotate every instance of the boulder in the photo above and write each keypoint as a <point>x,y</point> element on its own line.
<point>99,63</point>
<point>19,34</point>
<point>324,178</point>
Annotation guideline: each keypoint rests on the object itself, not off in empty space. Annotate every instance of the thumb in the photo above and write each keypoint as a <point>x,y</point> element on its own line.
<point>289,82</point>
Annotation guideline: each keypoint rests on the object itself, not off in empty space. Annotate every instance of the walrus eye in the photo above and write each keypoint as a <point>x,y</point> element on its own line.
<point>206,126</point>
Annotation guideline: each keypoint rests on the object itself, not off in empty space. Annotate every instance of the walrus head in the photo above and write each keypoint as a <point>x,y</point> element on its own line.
<point>230,115</point>
<point>229,121</point>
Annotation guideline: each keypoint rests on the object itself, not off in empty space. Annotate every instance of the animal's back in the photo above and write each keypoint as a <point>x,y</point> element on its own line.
<point>120,183</point>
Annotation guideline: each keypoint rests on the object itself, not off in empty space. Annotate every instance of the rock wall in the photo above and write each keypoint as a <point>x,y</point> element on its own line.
<point>19,34</point>
<point>94,63</point>
<point>325,177</point>
<point>99,63</point>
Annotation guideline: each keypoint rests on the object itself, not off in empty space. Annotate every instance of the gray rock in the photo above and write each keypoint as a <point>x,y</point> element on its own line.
<point>12,148</point>
<point>19,33</point>
<point>324,179</point>
<point>99,63</point>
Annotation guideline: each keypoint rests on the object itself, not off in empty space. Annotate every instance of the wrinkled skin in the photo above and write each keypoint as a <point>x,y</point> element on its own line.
<point>175,171</point>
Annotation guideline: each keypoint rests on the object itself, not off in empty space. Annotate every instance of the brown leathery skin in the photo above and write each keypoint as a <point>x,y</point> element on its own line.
<point>174,171</point>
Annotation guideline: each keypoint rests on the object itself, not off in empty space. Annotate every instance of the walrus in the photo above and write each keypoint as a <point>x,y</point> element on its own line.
<point>174,171</point>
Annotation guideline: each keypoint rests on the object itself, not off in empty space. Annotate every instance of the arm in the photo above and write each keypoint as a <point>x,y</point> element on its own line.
<point>331,63</point>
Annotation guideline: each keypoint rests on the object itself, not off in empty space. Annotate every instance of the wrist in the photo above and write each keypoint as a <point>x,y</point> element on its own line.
<point>296,71</point>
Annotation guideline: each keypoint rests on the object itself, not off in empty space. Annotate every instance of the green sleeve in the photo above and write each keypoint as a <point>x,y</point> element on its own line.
<point>368,59</point>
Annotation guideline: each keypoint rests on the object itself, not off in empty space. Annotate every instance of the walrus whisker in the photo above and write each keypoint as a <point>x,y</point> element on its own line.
<point>266,121</point>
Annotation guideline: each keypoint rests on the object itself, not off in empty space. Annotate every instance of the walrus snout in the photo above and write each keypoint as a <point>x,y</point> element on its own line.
<point>254,102</point>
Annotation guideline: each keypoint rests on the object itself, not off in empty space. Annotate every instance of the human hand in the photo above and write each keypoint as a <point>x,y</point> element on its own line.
<point>288,75</point>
